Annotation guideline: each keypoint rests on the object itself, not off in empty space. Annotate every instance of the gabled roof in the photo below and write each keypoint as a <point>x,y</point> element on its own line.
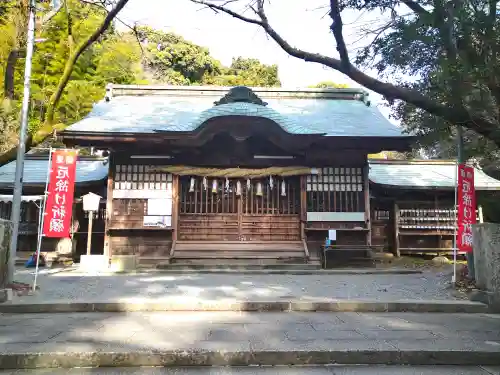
<point>150,109</point>
<point>424,174</point>
<point>88,170</point>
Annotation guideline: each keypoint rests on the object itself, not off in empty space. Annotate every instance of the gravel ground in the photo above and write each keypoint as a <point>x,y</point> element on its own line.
<point>210,287</point>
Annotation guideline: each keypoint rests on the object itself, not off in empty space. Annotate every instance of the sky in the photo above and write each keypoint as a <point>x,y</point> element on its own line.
<point>305,24</point>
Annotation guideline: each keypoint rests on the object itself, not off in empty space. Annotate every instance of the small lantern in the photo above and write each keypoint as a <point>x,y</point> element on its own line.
<point>214,186</point>
<point>91,202</point>
<point>238,188</point>
<point>271,182</point>
<point>283,189</point>
<point>259,189</point>
<point>205,184</point>
<point>191,185</point>
<point>249,184</point>
<point>227,184</point>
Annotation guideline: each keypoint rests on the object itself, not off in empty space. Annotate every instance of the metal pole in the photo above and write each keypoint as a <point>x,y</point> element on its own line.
<point>21,149</point>
<point>89,232</point>
<point>41,218</point>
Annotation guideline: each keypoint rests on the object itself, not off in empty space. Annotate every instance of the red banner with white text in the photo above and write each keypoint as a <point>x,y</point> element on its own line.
<point>61,190</point>
<point>466,198</point>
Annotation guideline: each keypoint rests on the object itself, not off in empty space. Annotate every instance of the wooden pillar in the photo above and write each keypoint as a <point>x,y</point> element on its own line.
<point>109,208</point>
<point>303,205</point>
<point>366,188</point>
<point>303,213</point>
<point>175,211</point>
<point>395,216</point>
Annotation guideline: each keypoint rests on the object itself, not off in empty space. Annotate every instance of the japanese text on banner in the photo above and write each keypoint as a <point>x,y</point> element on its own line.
<point>466,216</point>
<point>59,205</point>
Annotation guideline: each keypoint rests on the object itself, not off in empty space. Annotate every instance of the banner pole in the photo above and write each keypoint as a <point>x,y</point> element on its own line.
<point>41,219</point>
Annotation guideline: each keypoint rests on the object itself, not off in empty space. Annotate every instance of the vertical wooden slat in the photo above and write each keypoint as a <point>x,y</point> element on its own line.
<point>207,192</point>
<point>109,207</point>
<point>303,204</point>
<point>223,200</point>
<point>251,192</point>
<point>395,216</point>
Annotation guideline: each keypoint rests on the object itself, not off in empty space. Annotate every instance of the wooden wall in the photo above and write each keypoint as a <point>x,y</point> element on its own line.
<point>131,228</point>
<point>336,199</point>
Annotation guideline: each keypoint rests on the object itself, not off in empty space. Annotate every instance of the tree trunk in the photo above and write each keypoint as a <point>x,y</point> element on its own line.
<point>9,72</point>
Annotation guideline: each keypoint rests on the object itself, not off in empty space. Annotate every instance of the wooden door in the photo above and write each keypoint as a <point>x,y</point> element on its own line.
<point>221,213</point>
<point>274,215</point>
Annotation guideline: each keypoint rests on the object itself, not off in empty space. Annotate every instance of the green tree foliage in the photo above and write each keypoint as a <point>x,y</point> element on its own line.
<point>115,58</point>
<point>454,42</point>
<point>246,72</point>
<point>171,59</point>
<point>450,53</point>
<point>329,84</point>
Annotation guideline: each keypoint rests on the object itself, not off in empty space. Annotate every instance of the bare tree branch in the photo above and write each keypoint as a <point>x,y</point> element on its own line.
<point>416,7</point>
<point>473,121</point>
<point>336,28</point>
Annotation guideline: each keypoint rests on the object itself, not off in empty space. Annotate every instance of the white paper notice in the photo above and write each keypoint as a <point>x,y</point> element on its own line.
<point>157,221</point>
<point>332,234</point>
<point>160,207</point>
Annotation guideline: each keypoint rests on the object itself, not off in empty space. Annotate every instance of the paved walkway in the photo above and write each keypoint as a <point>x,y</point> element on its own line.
<point>333,370</point>
<point>59,287</point>
<point>247,332</point>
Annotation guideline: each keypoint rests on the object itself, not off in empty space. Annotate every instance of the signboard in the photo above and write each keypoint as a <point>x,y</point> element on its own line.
<point>466,197</point>
<point>60,194</point>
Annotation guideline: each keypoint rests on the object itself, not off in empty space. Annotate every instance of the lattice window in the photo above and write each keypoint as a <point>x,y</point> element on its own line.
<point>141,177</point>
<point>336,190</point>
<point>5,210</point>
<point>29,211</point>
<point>381,215</point>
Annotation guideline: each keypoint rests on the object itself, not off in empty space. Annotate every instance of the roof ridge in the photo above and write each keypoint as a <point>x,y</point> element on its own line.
<point>113,90</point>
<point>413,161</point>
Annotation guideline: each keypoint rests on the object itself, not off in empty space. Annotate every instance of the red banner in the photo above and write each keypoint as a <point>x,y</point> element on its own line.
<point>466,196</point>
<point>61,190</point>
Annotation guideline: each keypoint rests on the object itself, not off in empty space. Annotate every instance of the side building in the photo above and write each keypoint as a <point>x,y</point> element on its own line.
<point>413,204</point>
<point>91,176</point>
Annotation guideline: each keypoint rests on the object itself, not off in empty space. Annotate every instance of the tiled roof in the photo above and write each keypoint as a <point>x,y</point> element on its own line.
<point>173,109</point>
<point>424,174</point>
<point>35,171</point>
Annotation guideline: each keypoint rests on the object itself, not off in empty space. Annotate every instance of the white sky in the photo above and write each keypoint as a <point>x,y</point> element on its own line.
<point>303,23</point>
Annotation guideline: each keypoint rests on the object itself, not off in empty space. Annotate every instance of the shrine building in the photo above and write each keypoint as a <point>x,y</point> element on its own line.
<point>201,174</point>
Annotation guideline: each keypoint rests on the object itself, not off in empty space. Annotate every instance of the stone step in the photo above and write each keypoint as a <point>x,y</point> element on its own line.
<point>212,338</point>
<point>236,264</point>
<point>276,370</point>
<point>227,355</point>
<point>283,305</point>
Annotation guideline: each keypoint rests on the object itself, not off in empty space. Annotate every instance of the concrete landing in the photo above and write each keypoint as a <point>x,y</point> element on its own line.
<point>246,339</point>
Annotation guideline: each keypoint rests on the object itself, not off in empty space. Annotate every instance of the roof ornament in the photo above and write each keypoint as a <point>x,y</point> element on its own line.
<point>240,94</point>
<point>109,92</point>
